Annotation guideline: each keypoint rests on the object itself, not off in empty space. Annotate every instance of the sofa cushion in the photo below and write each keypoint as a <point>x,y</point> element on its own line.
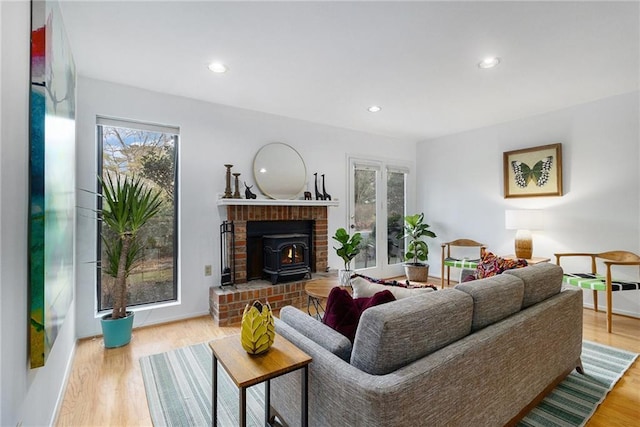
<point>322,335</point>
<point>494,298</point>
<point>393,335</point>
<point>343,312</point>
<point>541,281</point>
<point>364,288</point>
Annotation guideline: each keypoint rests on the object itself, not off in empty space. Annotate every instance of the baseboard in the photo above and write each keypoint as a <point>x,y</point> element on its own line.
<point>162,321</point>
<point>63,389</point>
<point>170,319</point>
<point>624,313</point>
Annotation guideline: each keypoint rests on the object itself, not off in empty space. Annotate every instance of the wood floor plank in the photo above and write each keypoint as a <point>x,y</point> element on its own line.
<point>106,388</point>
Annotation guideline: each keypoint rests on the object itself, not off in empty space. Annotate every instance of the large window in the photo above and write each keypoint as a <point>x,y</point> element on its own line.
<point>376,210</point>
<point>150,152</point>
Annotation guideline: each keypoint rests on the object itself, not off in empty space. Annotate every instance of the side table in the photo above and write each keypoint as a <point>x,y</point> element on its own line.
<point>247,370</point>
<point>317,291</point>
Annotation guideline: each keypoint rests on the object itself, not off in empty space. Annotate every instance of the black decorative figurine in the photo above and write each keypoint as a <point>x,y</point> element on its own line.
<point>247,191</point>
<point>307,195</point>
<point>319,195</point>
<point>325,196</point>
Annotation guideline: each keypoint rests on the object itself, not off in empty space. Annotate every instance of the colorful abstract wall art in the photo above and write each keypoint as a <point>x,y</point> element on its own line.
<point>51,179</point>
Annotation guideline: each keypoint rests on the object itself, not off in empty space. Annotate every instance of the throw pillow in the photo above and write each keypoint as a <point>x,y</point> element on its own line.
<point>364,288</point>
<point>343,312</point>
<point>469,278</point>
<point>490,265</point>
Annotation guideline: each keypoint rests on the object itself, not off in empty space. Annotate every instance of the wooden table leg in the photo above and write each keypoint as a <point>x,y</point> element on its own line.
<point>214,393</point>
<point>243,407</point>
<point>267,401</point>
<point>305,395</point>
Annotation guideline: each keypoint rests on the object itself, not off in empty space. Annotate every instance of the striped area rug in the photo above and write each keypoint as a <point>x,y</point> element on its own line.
<point>574,400</point>
<point>178,388</point>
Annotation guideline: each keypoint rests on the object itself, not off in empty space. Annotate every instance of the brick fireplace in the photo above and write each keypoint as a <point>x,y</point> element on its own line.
<point>240,215</point>
<point>227,305</point>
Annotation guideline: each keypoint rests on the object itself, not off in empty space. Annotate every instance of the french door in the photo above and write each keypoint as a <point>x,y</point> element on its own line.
<point>377,206</point>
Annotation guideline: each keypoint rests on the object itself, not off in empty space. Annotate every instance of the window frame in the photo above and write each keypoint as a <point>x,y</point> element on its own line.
<point>102,122</point>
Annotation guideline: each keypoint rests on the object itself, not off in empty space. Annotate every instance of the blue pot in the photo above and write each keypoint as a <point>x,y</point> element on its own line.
<point>117,332</point>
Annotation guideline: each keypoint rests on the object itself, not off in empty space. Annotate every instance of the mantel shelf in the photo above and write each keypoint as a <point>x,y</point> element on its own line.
<point>275,202</point>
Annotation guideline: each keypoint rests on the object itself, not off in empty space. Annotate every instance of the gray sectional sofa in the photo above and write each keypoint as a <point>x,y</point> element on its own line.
<point>475,355</point>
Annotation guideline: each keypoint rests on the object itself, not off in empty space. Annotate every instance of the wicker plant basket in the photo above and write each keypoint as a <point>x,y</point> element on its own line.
<point>417,273</point>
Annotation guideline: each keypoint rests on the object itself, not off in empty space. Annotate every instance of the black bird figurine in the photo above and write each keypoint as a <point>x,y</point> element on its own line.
<point>247,191</point>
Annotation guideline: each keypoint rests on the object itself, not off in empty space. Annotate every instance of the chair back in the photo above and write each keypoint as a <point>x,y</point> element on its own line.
<point>464,243</point>
<point>620,256</point>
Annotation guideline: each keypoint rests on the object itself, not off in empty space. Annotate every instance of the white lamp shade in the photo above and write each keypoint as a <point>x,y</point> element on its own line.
<point>524,219</point>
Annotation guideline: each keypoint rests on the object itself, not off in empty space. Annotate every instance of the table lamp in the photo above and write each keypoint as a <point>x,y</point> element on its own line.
<point>524,221</point>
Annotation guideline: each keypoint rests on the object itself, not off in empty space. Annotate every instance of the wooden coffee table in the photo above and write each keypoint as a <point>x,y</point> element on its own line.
<point>247,370</point>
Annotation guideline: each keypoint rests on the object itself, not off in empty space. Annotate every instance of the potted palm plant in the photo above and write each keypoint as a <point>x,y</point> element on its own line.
<point>349,248</point>
<point>127,206</point>
<point>417,249</point>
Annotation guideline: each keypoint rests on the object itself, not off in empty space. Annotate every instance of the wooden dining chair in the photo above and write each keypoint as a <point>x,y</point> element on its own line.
<point>599,282</point>
<point>463,263</point>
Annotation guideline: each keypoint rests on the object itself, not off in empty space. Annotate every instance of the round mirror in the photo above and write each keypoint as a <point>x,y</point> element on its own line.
<point>279,171</point>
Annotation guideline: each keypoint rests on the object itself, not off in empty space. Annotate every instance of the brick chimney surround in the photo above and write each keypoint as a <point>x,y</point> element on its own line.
<point>227,305</point>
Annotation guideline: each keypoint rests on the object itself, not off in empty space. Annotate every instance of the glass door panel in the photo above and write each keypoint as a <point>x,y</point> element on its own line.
<point>396,203</point>
<point>364,214</point>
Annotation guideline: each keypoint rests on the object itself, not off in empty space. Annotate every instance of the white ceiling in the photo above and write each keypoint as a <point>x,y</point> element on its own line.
<point>326,62</point>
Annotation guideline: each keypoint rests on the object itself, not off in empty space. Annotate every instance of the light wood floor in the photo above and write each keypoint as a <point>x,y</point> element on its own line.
<point>106,388</point>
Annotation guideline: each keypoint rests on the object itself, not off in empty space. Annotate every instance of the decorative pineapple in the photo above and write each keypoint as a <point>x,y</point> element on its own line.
<point>257,331</point>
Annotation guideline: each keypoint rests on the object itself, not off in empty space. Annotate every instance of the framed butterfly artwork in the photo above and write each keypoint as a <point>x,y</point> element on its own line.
<point>533,172</point>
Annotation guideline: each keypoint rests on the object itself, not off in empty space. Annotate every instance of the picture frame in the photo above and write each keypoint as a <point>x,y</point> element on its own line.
<point>533,172</point>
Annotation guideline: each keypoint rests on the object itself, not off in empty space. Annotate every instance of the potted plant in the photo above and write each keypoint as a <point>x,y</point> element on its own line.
<point>349,248</point>
<point>417,249</point>
<point>127,206</point>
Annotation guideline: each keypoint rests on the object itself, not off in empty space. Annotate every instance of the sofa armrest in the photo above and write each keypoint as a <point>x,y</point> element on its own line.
<point>318,332</point>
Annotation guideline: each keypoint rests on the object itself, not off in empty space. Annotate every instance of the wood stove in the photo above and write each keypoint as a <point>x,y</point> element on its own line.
<point>255,232</point>
<point>286,257</point>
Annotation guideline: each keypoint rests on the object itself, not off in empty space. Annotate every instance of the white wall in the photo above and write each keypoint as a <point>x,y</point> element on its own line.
<point>210,136</point>
<point>460,185</point>
<point>29,396</point>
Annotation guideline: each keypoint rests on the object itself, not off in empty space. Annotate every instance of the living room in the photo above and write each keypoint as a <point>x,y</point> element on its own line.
<point>456,177</point>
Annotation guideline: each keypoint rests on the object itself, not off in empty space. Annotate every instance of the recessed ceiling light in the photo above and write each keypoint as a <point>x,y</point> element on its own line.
<point>489,62</point>
<point>218,67</point>
<point>374,109</point>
